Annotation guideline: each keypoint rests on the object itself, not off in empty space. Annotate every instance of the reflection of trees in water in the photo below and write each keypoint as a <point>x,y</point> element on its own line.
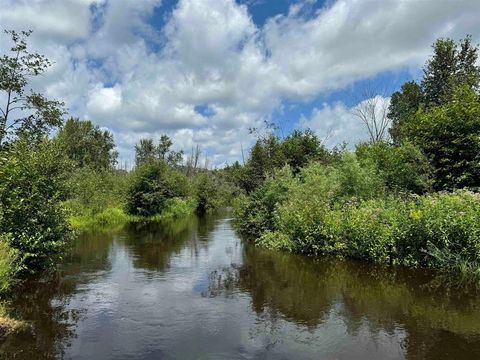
<point>153,244</point>
<point>44,303</point>
<point>378,299</point>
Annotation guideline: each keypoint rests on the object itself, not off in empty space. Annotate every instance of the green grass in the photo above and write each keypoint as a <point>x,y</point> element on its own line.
<point>112,218</point>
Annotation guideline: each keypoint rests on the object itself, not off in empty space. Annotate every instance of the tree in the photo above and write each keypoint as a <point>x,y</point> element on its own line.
<point>468,73</point>
<point>32,186</point>
<point>404,168</point>
<point>450,137</point>
<point>25,113</point>
<point>403,105</point>
<point>145,151</point>
<point>164,146</point>
<point>87,145</point>
<point>301,147</point>
<point>438,71</point>
<point>372,112</point>
<point>452,65</point>
<point>153,184</point>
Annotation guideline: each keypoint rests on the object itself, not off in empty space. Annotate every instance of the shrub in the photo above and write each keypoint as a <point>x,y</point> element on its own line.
<point>7,264</point>
<point>206,191</point>
<point>32,186</point>
<point>403,168</point>
<point>306,216</point>
<point>369,227</point>
<point>152,185</point>
<point>93,191</point>
<point>440,227</point>
<point>176,208</point>
<point>355,179</point>
<point>254,214</point>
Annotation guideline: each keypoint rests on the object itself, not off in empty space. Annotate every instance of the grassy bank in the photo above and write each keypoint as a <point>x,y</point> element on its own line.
<point>116,217</point>
<point>344,210</point>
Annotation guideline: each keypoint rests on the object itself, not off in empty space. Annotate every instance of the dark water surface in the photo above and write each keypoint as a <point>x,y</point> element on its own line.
<point>192,290</point>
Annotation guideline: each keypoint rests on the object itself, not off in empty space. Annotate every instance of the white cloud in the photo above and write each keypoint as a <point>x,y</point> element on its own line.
<point>112,64</point>
<point>337,123</point>
<point>103,100</point>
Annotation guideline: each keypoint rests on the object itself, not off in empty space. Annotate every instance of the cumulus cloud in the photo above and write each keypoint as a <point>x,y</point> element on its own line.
<point>205,72</point>
<point>339,124</point>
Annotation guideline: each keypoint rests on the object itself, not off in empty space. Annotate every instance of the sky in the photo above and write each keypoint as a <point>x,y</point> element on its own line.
<point>206,71</point>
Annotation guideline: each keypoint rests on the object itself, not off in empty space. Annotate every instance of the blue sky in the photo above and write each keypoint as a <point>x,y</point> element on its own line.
<point>205,71</point>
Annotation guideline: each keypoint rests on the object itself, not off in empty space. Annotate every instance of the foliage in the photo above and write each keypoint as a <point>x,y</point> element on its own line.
<point>403,168</point>
<point>438,227</point>
<point>343,209</point>
<point>107,218</point>
<point>26,113</point>
<point>270,153</point>
<point>176,208</point>
<point>449,135</point>
<point>368,229</point>
<point>33,183</point>
<point>292,204</point>
<point>152,185</point>
<point>92,191</point>
<point>451,65</point>
<point>146,151</point>
<point>8,257</point>
<point>87,145</point>
<point>299,148</point>
<point>206,190</point>
<point>254,214</point>
<point>403,105</point>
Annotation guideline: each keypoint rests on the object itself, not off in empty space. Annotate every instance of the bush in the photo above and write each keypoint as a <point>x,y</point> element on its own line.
<point>369,228</point>
<point>7,264</point>
<point>450,137</point>
<point>403,168</point>
<point>207,195</point>
<point>253,215</point>
<point>93,191</point>
<point>151,186</point>
<point>32,186</point>
<point>343,210</point>
<point>176,208</point>
<point>306,217</point>
<point>439,227</point>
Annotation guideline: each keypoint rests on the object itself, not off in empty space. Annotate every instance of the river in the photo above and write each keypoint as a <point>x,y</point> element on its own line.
<point>192,289</point>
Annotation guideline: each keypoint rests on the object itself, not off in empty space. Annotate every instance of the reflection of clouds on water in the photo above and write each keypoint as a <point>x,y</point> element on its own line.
<point>191,288</point>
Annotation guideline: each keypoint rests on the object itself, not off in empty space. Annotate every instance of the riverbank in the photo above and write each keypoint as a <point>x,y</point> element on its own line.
<point>116,217</point>
<point>333,211</point>
<point>8,325</point>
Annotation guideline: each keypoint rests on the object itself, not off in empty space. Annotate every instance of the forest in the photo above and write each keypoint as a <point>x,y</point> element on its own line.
<point>408,195</point>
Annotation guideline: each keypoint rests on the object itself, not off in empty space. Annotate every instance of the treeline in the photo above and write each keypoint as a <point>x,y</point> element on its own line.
<point>409,199</point>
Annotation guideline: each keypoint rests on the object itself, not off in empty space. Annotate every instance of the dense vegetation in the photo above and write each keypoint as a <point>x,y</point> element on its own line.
<point>410,199</point>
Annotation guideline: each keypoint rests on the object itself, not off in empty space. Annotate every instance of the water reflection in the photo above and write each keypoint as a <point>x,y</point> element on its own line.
<point>433,321</point>
<point>191,289</point>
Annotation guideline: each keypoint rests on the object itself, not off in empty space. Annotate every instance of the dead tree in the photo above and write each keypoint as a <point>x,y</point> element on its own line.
<point>372,111</point>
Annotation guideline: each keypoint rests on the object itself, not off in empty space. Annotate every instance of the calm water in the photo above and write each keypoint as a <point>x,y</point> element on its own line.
<point>193,290</point>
